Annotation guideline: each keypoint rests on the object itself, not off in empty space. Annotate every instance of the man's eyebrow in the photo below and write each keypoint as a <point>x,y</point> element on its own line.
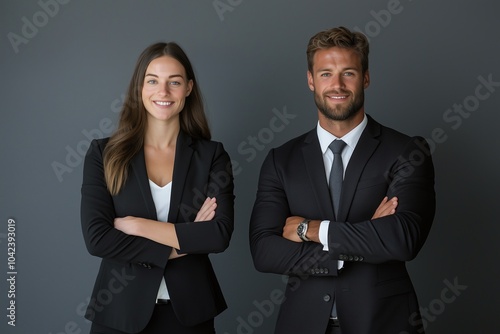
<point>343,69</point>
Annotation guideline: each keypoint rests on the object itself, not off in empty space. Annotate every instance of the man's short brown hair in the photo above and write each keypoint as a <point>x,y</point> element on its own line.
<point>339,37</point>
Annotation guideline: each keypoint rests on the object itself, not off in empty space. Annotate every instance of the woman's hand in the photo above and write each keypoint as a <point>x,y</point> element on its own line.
<point>162,232</point>
<point>128,225</point>
<point>207,210</point>
<point>131,225</point>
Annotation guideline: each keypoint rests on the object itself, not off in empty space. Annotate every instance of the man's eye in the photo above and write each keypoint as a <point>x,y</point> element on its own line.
<point>325,74</point>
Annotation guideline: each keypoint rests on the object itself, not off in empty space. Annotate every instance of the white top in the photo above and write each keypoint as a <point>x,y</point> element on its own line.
<point>325,139</point>
<point>161,198</point>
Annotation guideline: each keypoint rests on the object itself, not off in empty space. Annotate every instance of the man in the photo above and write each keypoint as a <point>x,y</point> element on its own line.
<point>344,244</point>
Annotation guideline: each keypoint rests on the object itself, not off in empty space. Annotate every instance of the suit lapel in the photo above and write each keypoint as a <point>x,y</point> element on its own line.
<point>138,166</point>
<point>364,149</point>
<point>313,160</point>
<point>183,155</point>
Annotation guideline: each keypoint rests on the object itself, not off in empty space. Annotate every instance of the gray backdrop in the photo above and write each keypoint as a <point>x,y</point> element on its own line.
<point>65,66</point>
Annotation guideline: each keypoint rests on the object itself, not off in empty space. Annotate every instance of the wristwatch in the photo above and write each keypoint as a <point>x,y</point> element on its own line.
<point>302,230</point>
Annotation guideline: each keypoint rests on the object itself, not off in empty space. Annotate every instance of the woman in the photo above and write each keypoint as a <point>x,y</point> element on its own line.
<point>157,198</point>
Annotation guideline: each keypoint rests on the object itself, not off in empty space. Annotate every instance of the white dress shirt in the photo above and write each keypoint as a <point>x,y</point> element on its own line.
<point>161,198</point>
<point>325,139</point>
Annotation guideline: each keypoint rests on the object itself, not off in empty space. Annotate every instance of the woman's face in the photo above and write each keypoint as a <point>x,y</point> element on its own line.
<point>165,89</point>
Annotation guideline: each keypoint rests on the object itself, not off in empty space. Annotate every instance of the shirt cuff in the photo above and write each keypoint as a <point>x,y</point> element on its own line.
<point>323,238</point>
<point>323,234</point>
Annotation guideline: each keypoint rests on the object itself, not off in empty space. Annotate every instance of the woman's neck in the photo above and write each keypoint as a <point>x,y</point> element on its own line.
<point>161,135</point>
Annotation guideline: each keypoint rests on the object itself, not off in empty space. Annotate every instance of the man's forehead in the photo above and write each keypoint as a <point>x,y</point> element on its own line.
<point>336,56</point>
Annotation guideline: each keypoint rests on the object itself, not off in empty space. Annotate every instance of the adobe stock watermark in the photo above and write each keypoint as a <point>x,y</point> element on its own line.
<point>31,25</point>
<point>259,141</point>
<point>454,118</point>
<point>104,296</point>
<point>11,272</point>
<point>483,91</point>
<point>218,180</point>
<point>264,309</point>
<point>381,19</point>
<point>224,6</point>
<point>437,306</point>
<point>75,154</point>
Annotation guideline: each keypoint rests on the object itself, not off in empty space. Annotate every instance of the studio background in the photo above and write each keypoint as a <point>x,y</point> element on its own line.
<point>65,66</point>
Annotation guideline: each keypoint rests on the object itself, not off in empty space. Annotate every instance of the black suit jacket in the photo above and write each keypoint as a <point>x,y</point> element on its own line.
<point>132,267</point>
<point>373,291</point>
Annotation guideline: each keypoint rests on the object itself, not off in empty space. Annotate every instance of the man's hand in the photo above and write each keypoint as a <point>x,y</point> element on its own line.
<point>386,207</point>
<point>290,228</point>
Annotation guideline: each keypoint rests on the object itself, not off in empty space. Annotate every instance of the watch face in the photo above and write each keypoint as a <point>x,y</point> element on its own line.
<point>300,229</point>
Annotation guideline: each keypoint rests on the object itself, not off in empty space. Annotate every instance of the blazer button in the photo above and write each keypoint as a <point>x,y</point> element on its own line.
<point>351,258</point>
<point>356,258</point>
<point>326,298</point>
<point>326,271</point>
<point>316,271</point>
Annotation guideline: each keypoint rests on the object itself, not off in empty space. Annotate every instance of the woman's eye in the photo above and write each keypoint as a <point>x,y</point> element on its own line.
<point>175,83</point>
<point>151,82</point>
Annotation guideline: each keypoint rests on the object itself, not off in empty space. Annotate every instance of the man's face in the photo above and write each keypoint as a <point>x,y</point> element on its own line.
<point>338,83</point>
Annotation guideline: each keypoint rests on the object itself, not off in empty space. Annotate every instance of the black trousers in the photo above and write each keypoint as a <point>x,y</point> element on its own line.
<point>163,321</point>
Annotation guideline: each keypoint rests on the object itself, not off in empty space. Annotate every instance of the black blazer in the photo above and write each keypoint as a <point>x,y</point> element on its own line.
<point>373,291</point>
<point>127,284</point>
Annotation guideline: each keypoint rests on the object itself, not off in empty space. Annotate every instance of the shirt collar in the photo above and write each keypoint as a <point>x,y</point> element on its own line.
<point>351,138</point>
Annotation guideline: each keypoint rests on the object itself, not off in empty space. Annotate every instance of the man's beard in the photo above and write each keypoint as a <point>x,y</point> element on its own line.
<point>339,112</point>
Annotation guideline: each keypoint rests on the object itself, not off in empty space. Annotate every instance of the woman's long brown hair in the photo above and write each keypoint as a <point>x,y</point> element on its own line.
<point>128,139</point>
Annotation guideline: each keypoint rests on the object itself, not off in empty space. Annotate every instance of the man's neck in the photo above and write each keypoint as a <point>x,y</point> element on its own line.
<point>341,128</point>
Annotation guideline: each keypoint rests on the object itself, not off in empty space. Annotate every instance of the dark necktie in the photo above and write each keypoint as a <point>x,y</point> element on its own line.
<point>335,185</point>
<point>336,174</point>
